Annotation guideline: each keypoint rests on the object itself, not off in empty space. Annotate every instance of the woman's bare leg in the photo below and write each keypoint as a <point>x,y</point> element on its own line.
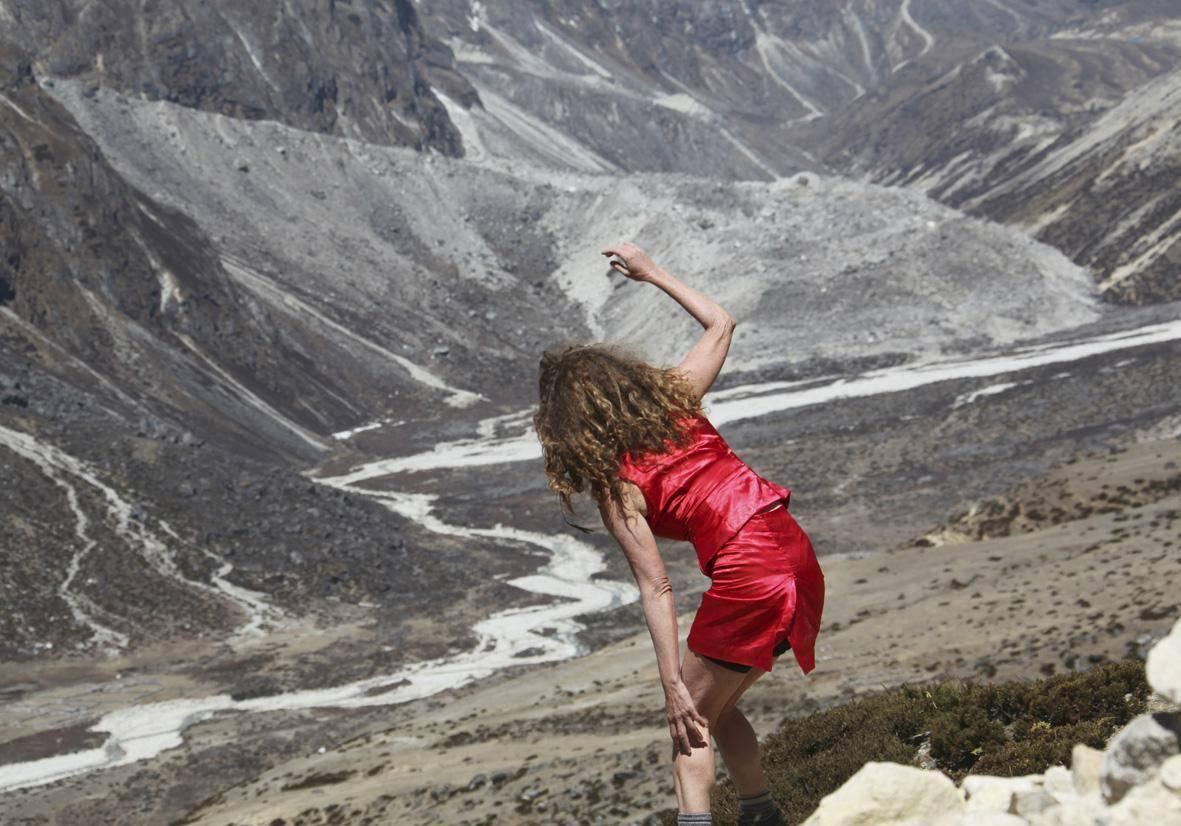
<point>710,686</point>
<point>738,743</point>
<point>739,747</point>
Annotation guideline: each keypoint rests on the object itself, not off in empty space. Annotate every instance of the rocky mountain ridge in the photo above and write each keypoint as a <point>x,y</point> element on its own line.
<point>363,69</point>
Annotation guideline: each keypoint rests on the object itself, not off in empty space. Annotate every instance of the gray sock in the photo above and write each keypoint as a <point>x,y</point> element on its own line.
<point>758,809</point>
<point>694,819</point>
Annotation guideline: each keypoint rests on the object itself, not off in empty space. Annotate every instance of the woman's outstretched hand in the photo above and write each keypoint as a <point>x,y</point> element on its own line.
<point>683,719</point>
<point>634,262</point>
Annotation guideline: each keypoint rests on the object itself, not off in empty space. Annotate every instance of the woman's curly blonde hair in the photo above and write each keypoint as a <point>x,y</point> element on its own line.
<point>598,401</point>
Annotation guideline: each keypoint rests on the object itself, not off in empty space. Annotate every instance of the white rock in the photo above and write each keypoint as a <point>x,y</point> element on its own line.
<point>1150,804</point>
<point>1135,755</point>
<point>890,794</point>
<point>1058,781</point>
<point>996,793</point>
<point>1084,768</point>
<point>1170,773</point>
<point>1077,811</point>
<point>1164,666</point>
<point>1032,802</point>
<point>983,818</point>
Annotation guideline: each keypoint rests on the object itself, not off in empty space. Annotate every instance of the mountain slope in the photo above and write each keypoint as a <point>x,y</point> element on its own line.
<point>1065,136</point>
<point>515,255</point>
<point>153,416</point>
<point>1121,174</point>
<point>364,69</point>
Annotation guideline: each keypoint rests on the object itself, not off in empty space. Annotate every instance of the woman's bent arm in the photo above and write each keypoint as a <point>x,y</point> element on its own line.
<point>704,360</point>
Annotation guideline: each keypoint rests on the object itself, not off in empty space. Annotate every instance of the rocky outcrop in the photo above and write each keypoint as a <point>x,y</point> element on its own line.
<point>889,794</point>
<point>361,69</point>
<point>1135,755</point>
<point>1134,781</point>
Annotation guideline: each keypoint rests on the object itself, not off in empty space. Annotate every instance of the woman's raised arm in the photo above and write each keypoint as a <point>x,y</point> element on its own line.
<point>705,358</point>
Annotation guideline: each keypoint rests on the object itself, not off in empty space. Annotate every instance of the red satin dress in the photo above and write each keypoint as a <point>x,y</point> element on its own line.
<point>766,584</point>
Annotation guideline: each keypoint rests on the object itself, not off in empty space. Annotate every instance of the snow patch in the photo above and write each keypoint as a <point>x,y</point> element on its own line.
<point>681,102</point>
<point>991,390</point>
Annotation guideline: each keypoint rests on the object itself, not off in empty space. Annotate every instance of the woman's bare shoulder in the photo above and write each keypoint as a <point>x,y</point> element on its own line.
<point>633,497</point>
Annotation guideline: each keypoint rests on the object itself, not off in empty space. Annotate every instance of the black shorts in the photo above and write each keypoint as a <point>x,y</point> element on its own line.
<point>779,649</point>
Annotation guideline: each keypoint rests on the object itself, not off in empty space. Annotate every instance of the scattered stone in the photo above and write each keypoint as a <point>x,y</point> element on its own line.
<point>1136,754</point>
<point>531,793</point>
<point>621,777</point>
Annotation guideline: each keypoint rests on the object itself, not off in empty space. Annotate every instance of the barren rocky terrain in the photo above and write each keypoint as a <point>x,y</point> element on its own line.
<point>275,544</point>
<point>584,738</point>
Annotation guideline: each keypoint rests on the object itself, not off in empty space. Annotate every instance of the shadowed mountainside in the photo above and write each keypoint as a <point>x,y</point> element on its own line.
<point>361,69</point>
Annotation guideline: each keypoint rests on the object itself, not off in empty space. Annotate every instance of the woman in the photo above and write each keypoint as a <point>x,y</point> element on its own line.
<point>635,437</point>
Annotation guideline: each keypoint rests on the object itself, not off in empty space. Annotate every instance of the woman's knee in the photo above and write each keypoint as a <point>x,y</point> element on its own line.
<point>710,685</point>
<point>732,701</point>
<point>731,720</point>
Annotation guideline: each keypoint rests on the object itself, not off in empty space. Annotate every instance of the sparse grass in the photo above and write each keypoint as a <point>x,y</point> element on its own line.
<point>1009,729</point>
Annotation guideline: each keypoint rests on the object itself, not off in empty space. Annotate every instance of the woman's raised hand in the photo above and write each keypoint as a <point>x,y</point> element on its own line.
<point>634,262</point>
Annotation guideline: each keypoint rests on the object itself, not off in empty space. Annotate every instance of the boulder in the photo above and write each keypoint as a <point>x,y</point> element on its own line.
<point>1149,804</point>
<point>1032,802</point>
<point>890,794</point>
<point>1075,811</point>
<point>1164,666</point>
<point>1059,782</point>
<point>1170,774</point>
<point>1136,754</point>
<point>1084,768</point>
<point>996,793</point>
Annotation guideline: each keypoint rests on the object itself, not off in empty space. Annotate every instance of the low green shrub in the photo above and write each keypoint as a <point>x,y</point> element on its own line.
<point>1012,728</point>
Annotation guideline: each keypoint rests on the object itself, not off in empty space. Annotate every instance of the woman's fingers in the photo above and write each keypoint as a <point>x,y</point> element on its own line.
<point>621,250</point>
<point>686,736</point>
